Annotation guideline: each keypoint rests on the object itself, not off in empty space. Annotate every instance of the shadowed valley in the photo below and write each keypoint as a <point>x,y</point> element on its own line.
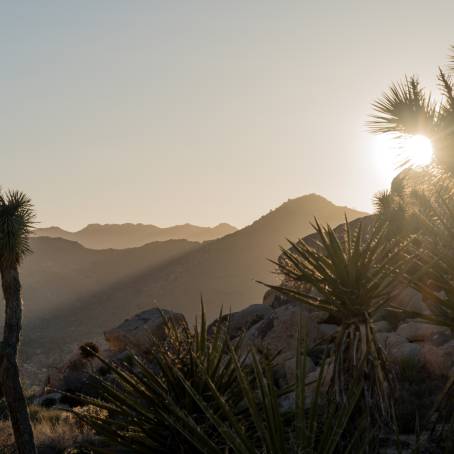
<point>73,293</point>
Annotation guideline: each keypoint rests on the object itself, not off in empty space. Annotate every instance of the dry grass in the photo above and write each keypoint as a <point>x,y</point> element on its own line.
<point>54,430</point>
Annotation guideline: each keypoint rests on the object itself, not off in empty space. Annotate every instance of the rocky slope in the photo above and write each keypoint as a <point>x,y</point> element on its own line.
<point>273,326</point>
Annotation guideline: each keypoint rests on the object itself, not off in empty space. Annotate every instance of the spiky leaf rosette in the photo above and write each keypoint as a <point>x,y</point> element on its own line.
<point>16,223</point>
<point>351,276</point>
<point>432,273</point>
<point>407,109</point>
<point>140,412</point>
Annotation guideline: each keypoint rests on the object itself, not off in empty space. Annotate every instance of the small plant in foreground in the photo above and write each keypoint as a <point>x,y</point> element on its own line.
<point>144,400</point>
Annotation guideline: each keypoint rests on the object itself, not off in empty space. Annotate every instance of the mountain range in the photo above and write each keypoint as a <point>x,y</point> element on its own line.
<point>73,294</point>
<point>123,236</point>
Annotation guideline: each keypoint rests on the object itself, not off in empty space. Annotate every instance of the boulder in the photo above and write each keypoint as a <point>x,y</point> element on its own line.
<point>447,352</point>
<point>320,316</point>
<point>398,347</point>
<point>290,369</point>
<point>390,340</point>
<point>138,331</point>
<point>326,329</point>
<point>432,359</point>
<point>273,299</point>
<point>277,333</point>
<point>242,321</point>
<point>411,300</point>
<point>288,401</point>
<point>382,326</point>
<point>440,338</point>
<point>439,360</point>
<point>418,331</point>
<point>406,352</point>
<point>48,400</point>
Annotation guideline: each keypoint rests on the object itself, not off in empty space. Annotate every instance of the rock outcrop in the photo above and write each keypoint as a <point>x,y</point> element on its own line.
<point>138,331</point>
<point>241,321</point>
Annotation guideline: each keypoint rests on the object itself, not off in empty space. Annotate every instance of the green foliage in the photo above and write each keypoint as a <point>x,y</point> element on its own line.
<point>432,275</point>
<point>210,401</point>
<point>16,223</point>
<point>432,256</point>
<point>150,409</point>
<point>350,276</point>
<point>394,209</point>
<point>406,109</point>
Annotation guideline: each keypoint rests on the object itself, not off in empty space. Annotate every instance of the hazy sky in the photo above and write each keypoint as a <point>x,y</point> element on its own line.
<point>187,111</point>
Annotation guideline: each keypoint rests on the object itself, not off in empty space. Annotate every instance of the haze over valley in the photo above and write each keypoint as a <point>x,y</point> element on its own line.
<point>81,292</point>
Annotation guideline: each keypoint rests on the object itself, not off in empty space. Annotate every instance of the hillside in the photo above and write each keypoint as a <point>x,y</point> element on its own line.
<point>78,301</point>
<point>123,236</point>
<point>60,271</point>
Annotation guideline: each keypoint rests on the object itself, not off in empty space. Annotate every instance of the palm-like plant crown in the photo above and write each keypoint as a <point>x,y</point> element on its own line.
<point>351,276</point>
<point>16,223</point>
<point>407,109</point>
<point>433,256</point>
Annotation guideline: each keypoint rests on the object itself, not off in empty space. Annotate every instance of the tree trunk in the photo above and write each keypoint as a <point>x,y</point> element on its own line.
<point>9,371</point>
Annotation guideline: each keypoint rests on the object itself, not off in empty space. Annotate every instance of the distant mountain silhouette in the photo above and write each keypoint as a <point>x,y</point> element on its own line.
<point>122,236</point>
<point>73,294</point>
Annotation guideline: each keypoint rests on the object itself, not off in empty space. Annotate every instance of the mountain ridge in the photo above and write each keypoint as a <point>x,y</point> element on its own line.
<point>94,290</point>
<point>129,235</point>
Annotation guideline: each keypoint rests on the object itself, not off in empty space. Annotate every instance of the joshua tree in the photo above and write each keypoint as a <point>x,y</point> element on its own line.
<point>406,109</point>
<point>16,220</point>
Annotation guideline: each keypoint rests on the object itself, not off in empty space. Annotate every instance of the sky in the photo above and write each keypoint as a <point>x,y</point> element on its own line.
<point>168,112</point>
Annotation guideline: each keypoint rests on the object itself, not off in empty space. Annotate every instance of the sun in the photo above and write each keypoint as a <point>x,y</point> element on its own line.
<point>417,151</point>
<point>391,153</point>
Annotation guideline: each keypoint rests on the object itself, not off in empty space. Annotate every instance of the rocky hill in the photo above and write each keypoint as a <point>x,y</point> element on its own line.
<point>60,272</point>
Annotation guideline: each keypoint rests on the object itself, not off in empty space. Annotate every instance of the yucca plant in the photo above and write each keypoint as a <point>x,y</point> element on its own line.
<point>406,109</point>
<point>315,425</point>
<point>395,207</point>
<point>351,276</point>
<point>148,408</point>
<point>252,422</point>
<point>16,222</point>
<point>432,271</point>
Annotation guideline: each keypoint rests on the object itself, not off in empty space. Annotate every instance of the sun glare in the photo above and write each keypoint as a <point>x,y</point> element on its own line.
<point>417,150</point>
<point>391,153</point>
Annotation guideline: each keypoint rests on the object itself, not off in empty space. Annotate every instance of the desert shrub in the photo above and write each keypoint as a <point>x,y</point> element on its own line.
<point>54,430</point>
<point>210,396</point>
<point>144,393</point>
<point>352,275</point>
